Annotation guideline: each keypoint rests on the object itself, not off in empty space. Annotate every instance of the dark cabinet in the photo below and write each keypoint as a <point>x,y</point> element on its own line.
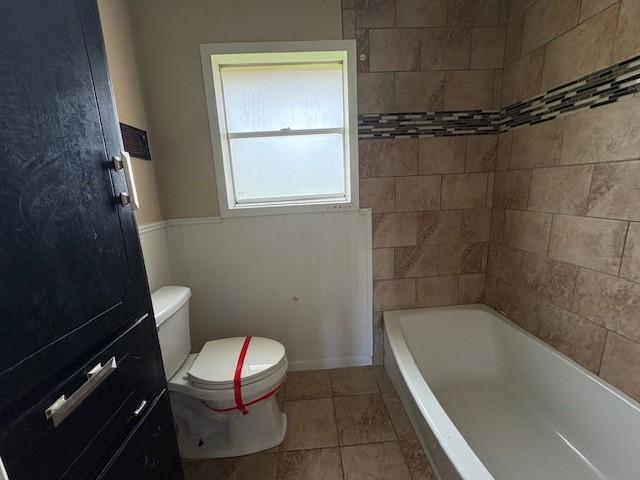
<point>143,456</point>
<point>74,302</point>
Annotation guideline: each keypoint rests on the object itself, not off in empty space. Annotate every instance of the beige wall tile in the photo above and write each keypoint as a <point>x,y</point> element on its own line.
<point>375,13</point>
<point>513,43</point>
<point>348,23</point>
<point>504,263</point>
<point>504,150</point>
<point>391,157</point>
<point>445,48</point>
<point>378,194</point>
<point>437,291</point>
<point>394,49</point>
<point>490,189</point>
<point>439,227</point>
<point>418,193</point>
<point>580,51</point>
<point>475,225</point>
<point>393,294</point>
<point>537,145</point>
<point>609,301</point>
<point>497,224</point>
<point>589,8</point>
<point>473,12</point>
<point>603,134</point>
<point>421,13</point>
<point>552,279</point>
<point>419,91</point>
<point>527,230</point>
<point>497,90</point>
<point>468,190</point>
<point>441,155</point>
<point>621,364</point>
<point>511,189</point>
<point>471,288</point>
<point>631,258</point>
<point>516,7</point>
<point>460,259</point>
<point>362,46</point>
<point>468,89</point>
<point>394,229</point>
<point>519,304</point>
<point>560,189</point>
<point>627,41</point>
<point>579,339</point>
<point>589,242</point>
<point>522,79</point>
<point>383,259</point>
<point>482,151</point>
<point>547,19</point>
<point>615,191</point>
<point>419,261</point>
<point>376,92</point>
<point>487,47</point>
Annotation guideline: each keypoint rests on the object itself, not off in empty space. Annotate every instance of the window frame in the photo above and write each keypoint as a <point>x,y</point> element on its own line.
<point>220,139</point>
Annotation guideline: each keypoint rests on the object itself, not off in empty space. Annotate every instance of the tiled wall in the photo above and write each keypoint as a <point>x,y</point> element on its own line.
<point>430,196</point>
<point>564,258</point>
<point>562,197</point>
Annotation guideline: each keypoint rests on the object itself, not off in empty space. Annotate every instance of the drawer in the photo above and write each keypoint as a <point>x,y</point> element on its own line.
<point>151,451</point>
<point>83,441</point>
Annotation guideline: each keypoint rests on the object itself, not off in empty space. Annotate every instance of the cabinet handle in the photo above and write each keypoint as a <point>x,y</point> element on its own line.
<point>63,407</point>
<point>140,408</point>
<point>123,162</point>
<point>3,472</point>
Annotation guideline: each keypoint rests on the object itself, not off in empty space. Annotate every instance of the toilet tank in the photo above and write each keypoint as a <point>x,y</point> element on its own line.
<point>171,309</point>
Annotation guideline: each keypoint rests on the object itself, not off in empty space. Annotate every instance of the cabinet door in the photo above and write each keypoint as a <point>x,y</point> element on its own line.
<point>151,451</point>
<point>71,269</point>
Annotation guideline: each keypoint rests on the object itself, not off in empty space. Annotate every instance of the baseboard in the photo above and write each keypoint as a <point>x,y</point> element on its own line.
<point>324,363</point>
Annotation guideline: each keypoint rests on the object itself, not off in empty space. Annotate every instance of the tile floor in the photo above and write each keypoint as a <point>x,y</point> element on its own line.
<point>343,424</point>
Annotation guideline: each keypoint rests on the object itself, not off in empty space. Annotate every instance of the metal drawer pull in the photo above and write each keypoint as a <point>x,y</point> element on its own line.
<point>63,407</point>
<point>140,408</point>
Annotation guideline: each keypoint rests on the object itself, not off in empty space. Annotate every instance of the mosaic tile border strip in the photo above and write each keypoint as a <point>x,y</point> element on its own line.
<point>599,88</point>
<point>428,124</point>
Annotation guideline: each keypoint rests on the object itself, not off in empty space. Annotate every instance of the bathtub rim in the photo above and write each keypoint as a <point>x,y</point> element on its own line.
<point>452,442</point>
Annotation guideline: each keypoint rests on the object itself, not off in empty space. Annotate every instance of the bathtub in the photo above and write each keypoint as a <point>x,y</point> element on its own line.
<point>490,401</point>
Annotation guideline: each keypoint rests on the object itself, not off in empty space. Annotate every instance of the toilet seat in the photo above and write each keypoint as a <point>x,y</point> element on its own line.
<point>209,377</point>
<point>215,366</point>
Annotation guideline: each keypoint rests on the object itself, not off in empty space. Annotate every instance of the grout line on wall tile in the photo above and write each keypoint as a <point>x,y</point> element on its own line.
<point>624,247</point>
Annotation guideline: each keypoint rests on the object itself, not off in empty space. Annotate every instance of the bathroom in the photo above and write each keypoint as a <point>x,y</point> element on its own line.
<point>304,239</point>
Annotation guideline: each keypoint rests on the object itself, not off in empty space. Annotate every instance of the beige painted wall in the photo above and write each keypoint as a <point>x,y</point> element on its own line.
<point>169,34</point>
<point>129,92</point>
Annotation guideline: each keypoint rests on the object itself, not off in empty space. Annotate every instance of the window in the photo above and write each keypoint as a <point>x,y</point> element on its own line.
<point>283,125</point>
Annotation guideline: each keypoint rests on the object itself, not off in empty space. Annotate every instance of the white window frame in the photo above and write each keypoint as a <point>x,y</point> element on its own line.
<point>217,126</point>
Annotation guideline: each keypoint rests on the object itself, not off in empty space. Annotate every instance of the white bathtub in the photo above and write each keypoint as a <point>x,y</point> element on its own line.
<point>488,400</point>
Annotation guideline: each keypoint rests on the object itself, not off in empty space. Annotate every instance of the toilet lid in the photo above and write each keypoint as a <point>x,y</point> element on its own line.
<point>216,364</point>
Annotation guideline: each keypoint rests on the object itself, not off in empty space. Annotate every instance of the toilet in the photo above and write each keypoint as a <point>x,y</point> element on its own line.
<point>224,397</point>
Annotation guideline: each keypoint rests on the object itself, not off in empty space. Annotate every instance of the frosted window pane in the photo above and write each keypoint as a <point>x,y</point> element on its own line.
<point>288,166</point>
<point>273,97</point>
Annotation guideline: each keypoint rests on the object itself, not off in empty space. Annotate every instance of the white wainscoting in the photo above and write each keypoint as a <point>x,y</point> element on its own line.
<point>157,258</point>
<point>304,280</point>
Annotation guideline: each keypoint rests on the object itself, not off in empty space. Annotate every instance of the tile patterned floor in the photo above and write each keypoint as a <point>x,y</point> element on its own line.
<point>343,424</point>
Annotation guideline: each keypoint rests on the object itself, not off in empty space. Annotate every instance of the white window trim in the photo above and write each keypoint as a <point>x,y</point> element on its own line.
<point>220,157</point>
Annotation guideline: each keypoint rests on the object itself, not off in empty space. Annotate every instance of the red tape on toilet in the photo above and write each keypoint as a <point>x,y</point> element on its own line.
<point>237,378</point>
<point>237,385</point>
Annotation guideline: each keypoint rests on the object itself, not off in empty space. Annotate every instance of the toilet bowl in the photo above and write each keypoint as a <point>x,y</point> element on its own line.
<point>224,397</point>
